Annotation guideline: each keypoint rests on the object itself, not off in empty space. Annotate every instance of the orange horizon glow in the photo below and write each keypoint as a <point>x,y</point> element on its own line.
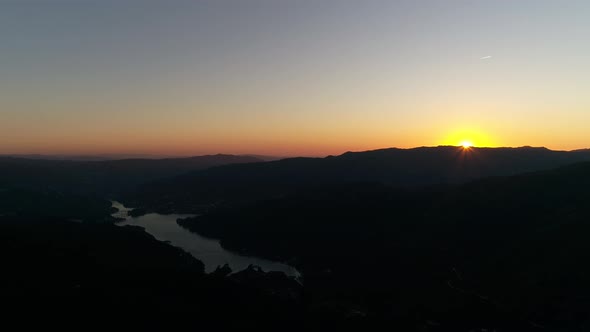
<point>279,150</point>
<point>285,143</point>
<point>208,77</point>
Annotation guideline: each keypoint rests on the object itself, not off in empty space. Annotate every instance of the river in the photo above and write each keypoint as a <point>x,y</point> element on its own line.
<point>209,251</point>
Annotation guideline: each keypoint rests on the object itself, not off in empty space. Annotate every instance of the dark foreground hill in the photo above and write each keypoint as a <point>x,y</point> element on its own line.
<point>59,274</point>
<point>102,178</point>
<point>39,203</point>
<point>503,254</point>
<point>393,167</point>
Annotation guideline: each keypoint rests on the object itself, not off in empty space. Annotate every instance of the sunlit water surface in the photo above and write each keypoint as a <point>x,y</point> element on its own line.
<point>209,251</point>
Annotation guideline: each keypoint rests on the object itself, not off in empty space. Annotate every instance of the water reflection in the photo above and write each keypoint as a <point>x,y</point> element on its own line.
<point>209,251</point>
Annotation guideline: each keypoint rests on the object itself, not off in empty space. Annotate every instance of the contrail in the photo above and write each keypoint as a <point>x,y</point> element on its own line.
<point>485,57</point>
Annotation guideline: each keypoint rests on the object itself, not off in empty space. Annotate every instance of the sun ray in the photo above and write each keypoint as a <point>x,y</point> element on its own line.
<point>466,144</point>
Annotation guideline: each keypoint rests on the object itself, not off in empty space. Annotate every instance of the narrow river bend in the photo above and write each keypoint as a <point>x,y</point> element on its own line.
<point>209,251</point>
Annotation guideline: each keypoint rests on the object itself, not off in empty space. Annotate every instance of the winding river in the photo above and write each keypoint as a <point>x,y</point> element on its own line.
<point>209,251</point>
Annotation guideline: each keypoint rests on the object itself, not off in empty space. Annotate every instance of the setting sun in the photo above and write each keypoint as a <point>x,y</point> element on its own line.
<point>466,144</point>
<point>468,137</point>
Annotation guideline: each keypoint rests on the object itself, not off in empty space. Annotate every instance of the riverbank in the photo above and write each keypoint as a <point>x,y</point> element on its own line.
<point>208,250</point>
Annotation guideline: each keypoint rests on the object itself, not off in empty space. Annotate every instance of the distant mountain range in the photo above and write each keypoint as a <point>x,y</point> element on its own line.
<point>102,177</point>
<point>399,167</point>
<point>220,178</point>
<point>418,167</point>
<point>97,157</point>
<point>105,157</point>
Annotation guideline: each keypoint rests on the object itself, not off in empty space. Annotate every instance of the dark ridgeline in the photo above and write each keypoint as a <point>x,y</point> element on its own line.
<point>80,190</point>
<point>426,239</point>
<point>403,168</point>
<point>104,178</point>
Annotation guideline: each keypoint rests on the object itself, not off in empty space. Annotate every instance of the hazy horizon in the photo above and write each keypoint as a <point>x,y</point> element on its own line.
<point>282,78</point>
<point>113,156</point>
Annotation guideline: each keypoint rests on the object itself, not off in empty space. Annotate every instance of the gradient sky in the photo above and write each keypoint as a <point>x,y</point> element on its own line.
<point>291,77</point>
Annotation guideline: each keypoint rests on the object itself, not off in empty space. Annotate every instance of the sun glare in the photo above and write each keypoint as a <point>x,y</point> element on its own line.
<point>466,144</point>
<point>468,138</point>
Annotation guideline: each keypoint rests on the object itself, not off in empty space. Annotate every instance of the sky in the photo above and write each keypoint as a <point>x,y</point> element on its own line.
<point>295,77</point>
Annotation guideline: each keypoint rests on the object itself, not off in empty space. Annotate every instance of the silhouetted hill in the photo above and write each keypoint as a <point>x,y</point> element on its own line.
<point>19,202</point>
<point>395,167</point>
<point>263,157</point>
<point>101,177</point>
<point>501,253</point>
<point>62,274</point>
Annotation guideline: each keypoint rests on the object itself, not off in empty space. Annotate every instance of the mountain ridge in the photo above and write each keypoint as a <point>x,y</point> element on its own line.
<point>417,167</point>
<point>106,177</point>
